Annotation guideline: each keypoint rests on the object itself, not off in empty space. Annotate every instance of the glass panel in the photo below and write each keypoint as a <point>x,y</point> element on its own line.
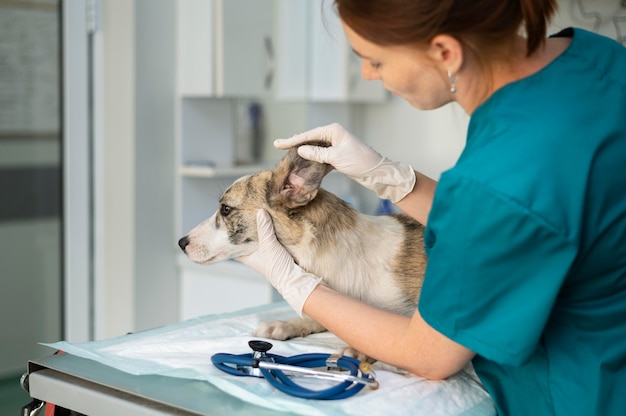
<point>30,189</point>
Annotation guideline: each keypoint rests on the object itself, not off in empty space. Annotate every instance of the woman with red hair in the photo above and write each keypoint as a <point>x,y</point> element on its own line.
<point>525,235</point>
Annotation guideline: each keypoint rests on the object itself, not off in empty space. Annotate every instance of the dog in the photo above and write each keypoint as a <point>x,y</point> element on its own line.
<point>377,259</point>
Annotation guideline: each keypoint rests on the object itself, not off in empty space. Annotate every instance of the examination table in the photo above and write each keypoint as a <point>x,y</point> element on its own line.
<point>168,371</point>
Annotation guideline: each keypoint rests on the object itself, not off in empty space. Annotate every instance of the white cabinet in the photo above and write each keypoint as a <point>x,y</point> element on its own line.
<point>219,288</point>
<point>287,49</point>
<point>225,47</point>
<point>292,51</point>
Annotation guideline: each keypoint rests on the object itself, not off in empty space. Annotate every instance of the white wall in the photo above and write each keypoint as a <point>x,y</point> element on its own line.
<point>593,15</point>
<point>429,140</point>
<point>156,283</point>
<point>135,273</point>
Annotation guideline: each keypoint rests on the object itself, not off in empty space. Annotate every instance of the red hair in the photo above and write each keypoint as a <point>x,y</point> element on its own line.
<point>479,25</point>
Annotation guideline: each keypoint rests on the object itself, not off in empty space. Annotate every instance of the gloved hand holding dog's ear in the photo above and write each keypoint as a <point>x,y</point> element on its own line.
<point>390,180</point>
<point>274,262</point>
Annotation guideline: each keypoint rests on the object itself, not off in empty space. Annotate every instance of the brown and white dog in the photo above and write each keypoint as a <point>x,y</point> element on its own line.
<point>377,259</point>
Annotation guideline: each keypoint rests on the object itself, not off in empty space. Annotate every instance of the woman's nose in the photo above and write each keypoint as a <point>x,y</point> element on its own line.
<point>368,71</point>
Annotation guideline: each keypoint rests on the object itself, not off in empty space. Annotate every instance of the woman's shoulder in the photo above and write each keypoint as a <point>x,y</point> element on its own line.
<point>597,53</point>
<point>584,79</point>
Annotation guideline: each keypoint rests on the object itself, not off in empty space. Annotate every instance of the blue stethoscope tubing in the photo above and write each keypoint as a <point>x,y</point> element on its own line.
<point>273,368</point>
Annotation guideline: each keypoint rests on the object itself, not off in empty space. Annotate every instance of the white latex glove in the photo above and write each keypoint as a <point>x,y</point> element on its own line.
<point>274,262</point>
<point>390,180</point>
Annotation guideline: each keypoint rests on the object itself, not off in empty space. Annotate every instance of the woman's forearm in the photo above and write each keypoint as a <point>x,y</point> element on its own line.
<point>405,342</point>
<point>418,202</point>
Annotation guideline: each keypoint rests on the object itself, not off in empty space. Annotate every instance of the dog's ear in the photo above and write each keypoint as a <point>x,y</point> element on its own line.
<point>297,180</point>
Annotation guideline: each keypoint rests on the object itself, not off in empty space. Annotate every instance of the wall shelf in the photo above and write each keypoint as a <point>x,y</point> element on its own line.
<point>191,171</point>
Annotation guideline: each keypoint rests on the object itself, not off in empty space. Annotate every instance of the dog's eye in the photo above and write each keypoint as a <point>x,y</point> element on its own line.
<point>225,210</point>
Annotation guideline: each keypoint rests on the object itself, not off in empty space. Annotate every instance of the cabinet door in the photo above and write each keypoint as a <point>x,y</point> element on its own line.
<point>292,49</point>
<point>195,50</point>
<point>219,288</point>
<point>246,58</point>
<point>225,47</point>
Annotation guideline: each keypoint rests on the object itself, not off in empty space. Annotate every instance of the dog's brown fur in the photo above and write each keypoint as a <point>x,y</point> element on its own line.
<point>380,260</point>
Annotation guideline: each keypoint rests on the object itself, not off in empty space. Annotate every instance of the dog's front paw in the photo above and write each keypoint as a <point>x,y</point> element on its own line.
<point>282,330</point>
<point>351,352</point>
<point>278,330</point>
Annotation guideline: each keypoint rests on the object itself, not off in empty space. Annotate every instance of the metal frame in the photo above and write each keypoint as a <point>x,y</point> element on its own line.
<point>94,389</point>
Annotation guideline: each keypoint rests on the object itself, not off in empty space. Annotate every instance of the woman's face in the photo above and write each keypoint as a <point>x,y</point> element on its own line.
<point>405,71</point>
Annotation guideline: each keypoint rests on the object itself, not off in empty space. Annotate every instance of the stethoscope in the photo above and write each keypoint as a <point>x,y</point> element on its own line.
<point>276,369</point>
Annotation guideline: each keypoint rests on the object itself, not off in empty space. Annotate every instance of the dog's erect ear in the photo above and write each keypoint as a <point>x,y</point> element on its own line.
<point>297,180</point>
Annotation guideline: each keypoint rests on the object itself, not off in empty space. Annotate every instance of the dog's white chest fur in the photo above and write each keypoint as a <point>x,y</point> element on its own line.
<point>359,261</point>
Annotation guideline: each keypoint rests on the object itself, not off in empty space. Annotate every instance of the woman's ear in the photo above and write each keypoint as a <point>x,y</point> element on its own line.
<point>447,52</point>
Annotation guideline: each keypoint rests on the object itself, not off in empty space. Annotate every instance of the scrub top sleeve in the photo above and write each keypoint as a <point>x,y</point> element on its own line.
<point>494,271</point>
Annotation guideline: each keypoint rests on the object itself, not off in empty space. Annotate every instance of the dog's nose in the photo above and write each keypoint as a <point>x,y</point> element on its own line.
<point>183,242</point>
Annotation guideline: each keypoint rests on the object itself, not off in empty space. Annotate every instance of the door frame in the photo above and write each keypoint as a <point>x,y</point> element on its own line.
<point>77,172</point>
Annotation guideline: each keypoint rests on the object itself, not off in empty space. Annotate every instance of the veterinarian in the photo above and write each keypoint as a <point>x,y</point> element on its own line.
<point>526,234</point>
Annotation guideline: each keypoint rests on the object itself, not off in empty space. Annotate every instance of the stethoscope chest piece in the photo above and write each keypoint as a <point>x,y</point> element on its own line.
<point>349,373</point>
<point>260,349</point>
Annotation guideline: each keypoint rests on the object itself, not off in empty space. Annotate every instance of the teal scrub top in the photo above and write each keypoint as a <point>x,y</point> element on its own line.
<point>526,238</point>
